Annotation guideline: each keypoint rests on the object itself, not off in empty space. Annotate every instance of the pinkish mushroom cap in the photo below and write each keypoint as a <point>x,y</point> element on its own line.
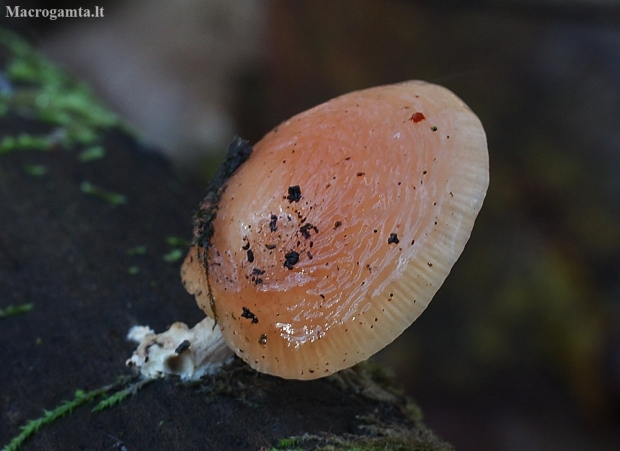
<point>338,230</point>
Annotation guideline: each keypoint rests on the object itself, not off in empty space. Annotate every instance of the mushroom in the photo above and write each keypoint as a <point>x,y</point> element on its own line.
<point>323,243</point>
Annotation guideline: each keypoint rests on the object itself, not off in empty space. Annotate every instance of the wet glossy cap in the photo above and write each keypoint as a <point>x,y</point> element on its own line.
<point>334,235</point>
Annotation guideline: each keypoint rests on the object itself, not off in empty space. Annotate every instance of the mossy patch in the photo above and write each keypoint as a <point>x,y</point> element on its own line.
<point>389,438</point>
<point>80,397</point>
<point>91,154</point>
<point>15,310</point>
<point>371,432</point>
<point>23,142</point>
<point>66,112</point>
<point>33,88</point>
<point>374,382</point>
<point>178,251</point>
<point>35,170</point>
<point>111,198</point>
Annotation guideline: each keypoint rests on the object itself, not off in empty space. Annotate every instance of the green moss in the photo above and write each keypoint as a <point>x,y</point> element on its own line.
<point>120,395</point>
<point>179,249</point>
<point>15,310</point>
<point>113,199</point>
<point>177,242</point>
<point>49,416</point>
<point>47,92</point>
<point>375,382</point>
<point>369,380</point>
<point>372,434</point>
<point>173,256</point>
<point>35,89</point>
<point>286,443</point>
<point>394,438</point>
<point>138,250</point>
<point>80,397</point>
<point>91,153</point>
<point>133,270</point>
<point>35,170</point>
<point>32,88</point>
<point>24,142</point>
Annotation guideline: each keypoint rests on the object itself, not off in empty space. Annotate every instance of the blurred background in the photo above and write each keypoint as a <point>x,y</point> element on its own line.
<point>521,347</point>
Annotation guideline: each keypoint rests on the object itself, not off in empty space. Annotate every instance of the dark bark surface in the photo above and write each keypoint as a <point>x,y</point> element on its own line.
<point>92,266</point>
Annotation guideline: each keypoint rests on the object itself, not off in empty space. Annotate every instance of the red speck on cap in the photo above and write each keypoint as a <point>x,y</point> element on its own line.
<point>417,117</point>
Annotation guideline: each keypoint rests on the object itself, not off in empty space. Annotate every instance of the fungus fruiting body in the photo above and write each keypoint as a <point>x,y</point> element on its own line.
<point>336,232</point>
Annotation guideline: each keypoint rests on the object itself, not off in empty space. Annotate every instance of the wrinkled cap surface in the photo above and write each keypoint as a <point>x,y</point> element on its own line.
<point>335,234</point>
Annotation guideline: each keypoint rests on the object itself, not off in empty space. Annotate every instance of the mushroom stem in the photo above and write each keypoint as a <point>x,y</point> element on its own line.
<point>180,351</point>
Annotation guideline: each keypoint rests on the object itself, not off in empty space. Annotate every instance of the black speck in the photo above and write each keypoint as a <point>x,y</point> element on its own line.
<point>412,242</point>
<point>249,315</point>
<point>258,271</point>
<point>309,255</point>
<point>250,255</point>
<point>433,128</point>
<point>292,258</point>
<point>305,230</point>
<point>393,239</point>
<point>361,174</point>
<point>184,346</point>
<point>294,193</point>
<point>272,224</point>
<point>337,224</point>
<point>258,281</point>
<point>246,246</point>
<point>270,246</point>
